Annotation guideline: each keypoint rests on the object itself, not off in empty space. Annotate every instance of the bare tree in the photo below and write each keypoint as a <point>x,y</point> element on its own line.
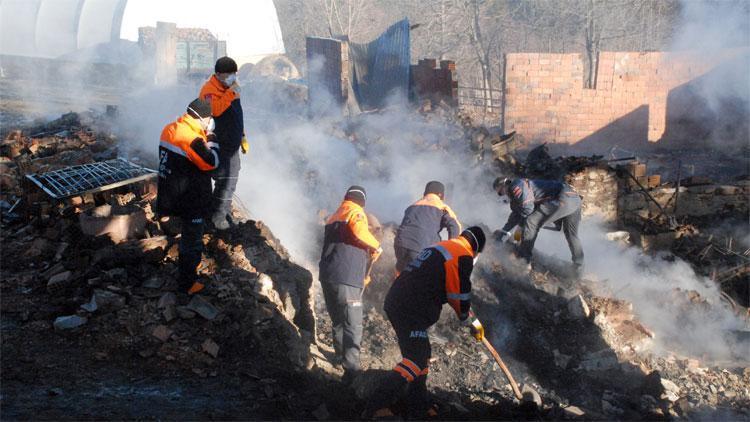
<point>343,16</point>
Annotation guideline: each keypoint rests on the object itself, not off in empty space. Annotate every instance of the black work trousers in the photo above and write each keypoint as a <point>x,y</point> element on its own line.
<point>566,209</point>
<point>404,257</point>
<point>408,380</point>
<point>225,183</point>
<point>344,305</point>
<point>190,249</point>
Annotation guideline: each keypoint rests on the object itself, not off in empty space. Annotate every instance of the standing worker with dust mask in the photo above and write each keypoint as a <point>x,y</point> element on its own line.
<point>423,221</point>
<point>223,93</point>
<point>187,153</point>
<point>440,274</point>
<point>348,245</point>
<point>533,203</point>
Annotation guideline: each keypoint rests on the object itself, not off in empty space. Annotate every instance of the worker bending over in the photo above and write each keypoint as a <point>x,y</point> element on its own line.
<point>441,273</point>
<point>423,221</point>
<point>187,153</point>
<point>533,203</point>
<point>348,249</point>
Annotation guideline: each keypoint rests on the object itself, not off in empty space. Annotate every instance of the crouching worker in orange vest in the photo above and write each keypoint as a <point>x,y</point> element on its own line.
<point>187,152</point>
<point>348,249</point>
<point>440,273</point>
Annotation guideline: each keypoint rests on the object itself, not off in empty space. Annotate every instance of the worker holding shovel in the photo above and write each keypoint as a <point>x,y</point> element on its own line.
<point>440,273</point>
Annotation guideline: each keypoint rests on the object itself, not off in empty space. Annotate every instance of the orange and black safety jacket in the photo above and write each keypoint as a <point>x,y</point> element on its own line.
<point>186,155</point>
<point>440,274</point>
<point>227,112</point>
<point>423,222</point>
<point>347,246</point>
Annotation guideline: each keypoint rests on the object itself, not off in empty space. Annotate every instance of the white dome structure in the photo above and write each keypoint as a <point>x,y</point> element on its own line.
<point>54,28</point>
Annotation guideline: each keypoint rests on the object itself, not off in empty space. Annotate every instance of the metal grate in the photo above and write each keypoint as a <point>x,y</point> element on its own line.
<point>90,178</point>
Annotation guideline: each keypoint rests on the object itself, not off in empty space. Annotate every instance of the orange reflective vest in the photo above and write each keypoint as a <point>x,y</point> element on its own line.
<point>456,289</point>
<point>347,246</point>
<point>218,95</point>
<point>178,136</point>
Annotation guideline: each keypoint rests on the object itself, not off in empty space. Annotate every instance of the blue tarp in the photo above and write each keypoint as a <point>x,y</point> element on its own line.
<point>380,68</point>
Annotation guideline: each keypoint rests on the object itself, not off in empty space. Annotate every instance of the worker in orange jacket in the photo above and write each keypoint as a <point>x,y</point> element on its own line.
<point>440,274</point>
<point>223,92</point>
<point>188,151</point>
<point>348,249</point>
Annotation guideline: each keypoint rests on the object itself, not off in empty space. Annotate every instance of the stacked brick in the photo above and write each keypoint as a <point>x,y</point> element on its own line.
<point>430,82</point>
<point>598,185</point>
<point>545,98</point>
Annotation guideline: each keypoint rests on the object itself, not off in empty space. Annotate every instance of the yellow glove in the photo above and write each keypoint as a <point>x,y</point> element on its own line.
<point>244,145</point>
<point>477,330</point>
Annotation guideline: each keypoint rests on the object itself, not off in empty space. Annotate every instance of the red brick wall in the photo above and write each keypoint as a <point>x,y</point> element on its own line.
<point>545,99</point>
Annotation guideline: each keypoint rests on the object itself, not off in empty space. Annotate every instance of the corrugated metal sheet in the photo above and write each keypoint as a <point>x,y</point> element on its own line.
<point>380,68</point>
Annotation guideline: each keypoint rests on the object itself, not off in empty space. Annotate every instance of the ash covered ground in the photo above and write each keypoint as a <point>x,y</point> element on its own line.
<point>92,326</point>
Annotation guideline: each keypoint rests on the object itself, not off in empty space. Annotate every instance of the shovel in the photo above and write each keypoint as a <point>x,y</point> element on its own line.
<point>528,395</point>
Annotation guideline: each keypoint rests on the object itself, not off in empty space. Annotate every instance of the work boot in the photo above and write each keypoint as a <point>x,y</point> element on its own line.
<point>195,288</point>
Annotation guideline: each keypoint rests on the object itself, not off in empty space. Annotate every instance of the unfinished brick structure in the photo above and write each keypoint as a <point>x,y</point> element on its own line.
<point>545,97</point>
<point>430,82</point>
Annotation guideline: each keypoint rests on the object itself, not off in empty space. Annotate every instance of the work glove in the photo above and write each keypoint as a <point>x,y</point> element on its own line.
<point>244,145</point>
<point>476,329</point>
<point>376,254</point>
<point>499,235</point>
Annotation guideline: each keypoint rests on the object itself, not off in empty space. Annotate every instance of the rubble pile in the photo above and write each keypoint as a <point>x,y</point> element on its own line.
<point>72,139</point>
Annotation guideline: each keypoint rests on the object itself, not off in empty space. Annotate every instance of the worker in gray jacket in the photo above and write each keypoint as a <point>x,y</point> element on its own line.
<point>533,203</point>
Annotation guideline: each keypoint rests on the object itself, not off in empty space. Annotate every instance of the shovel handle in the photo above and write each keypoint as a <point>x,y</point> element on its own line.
<point>505,369</point>
<point>500,363</point>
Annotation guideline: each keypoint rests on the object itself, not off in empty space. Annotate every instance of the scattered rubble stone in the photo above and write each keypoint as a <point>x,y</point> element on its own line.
<point>69,322</point>
<point>162,332</point>
<point>578,308</point>
<point>203,308</point>
<point>167,299</point>
<point>209,346</point>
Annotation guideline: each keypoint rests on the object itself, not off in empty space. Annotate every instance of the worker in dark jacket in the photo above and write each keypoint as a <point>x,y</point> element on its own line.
<point>188,151</point>
<point>223,92</point>
<point>440,274</point>
<point>423,221</point>
<point>533,203</point>
<point>348,249</point>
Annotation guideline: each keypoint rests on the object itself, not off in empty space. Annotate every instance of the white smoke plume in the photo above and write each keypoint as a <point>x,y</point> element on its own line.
<point>651,283</point>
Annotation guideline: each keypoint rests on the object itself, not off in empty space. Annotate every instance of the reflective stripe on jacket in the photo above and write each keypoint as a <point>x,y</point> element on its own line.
<point>440,274</point>
<point>226,109</point>
<point>347,246</point>
<point>423,222</point>
<point>185,157</point>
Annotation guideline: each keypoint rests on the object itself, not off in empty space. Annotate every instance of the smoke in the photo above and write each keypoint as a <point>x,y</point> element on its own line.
<point>298,171</point>
<point>658,287</point>
<point>717,105</point>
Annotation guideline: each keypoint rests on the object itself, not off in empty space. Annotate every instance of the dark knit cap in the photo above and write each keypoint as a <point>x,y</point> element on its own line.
<point>356,194</point>
<point>199,108</point>
<point>434,187</point>
<point>500,181</point>
<point>225,65</point>
<point>475,236</point>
